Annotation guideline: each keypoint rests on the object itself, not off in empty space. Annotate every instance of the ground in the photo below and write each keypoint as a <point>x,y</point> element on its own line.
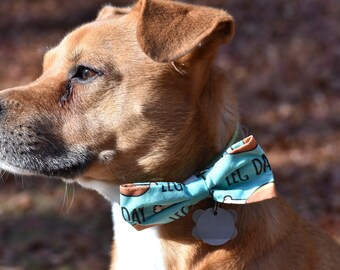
<point>284,64</point>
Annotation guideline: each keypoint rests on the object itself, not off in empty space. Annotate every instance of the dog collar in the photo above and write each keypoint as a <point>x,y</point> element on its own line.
<point>241,175</point>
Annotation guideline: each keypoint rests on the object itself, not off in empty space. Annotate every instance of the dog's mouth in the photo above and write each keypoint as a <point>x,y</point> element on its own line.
<point>69,166</point>
<point>26,152</point>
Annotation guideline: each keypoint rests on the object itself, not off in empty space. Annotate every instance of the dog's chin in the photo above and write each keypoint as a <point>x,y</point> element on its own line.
<point>15,170</point>
<point>68,166</point>
<point>67,174</point>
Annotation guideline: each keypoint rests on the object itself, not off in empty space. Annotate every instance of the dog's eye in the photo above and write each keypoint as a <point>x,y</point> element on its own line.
<point>84,73</point>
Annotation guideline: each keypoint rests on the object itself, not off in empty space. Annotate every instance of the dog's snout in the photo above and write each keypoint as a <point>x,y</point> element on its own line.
<point>8,104</point>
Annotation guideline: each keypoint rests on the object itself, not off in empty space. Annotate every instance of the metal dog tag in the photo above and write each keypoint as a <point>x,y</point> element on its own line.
<point>214,227</point>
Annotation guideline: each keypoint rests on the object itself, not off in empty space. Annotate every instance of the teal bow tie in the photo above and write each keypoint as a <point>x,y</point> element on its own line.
<point>242,175</point>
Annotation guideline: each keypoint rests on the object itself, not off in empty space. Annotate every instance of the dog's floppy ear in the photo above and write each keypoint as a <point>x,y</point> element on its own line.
<point>168,30</point>
<point>110,12</point>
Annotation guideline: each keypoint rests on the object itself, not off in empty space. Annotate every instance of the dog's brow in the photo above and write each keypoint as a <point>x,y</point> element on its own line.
<point>75,55</point>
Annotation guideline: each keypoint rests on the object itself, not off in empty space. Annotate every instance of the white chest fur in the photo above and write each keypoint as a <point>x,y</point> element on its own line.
<point>133,249</point>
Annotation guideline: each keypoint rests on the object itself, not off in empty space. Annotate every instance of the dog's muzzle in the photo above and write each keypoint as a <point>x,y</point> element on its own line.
<point>31,145</point>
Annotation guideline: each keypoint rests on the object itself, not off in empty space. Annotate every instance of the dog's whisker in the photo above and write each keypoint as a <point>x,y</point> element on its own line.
<point>67,204</point>
<point>19,181</point>
<point>2,174</point>
<point>16,181</point>
<point>41,132</point>
<point>42,138</point>
<point>6,176</point>
<point>72,199</point>
<point>22,182</point>
<point>65,197</point>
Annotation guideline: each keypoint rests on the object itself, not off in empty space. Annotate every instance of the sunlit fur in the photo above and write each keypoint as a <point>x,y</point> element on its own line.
<point>157,110</point>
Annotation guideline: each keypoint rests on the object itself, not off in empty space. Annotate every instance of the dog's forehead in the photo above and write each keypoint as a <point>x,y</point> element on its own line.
<point>95,39</point>
<point>89,34</point>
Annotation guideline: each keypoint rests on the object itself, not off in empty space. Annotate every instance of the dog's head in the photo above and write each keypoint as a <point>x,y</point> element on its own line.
<point>129,96</point>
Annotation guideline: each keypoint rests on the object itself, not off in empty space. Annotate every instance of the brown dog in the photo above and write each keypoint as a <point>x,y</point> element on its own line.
<point>131,97</point>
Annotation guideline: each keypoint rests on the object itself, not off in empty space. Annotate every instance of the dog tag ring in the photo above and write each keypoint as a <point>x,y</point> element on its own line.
<point>214,227</point>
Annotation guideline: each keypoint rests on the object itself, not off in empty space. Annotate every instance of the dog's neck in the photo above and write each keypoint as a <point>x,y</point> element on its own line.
<point>155,248</point>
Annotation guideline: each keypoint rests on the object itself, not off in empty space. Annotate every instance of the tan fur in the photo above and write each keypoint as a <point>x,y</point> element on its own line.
<point>162,112</point>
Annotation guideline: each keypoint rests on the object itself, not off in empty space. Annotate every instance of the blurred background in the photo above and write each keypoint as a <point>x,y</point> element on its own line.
<point>284,64</point>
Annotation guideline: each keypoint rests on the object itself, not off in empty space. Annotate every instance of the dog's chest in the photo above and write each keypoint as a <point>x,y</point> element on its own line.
<point>132,249</point>
<point>135,249</point>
